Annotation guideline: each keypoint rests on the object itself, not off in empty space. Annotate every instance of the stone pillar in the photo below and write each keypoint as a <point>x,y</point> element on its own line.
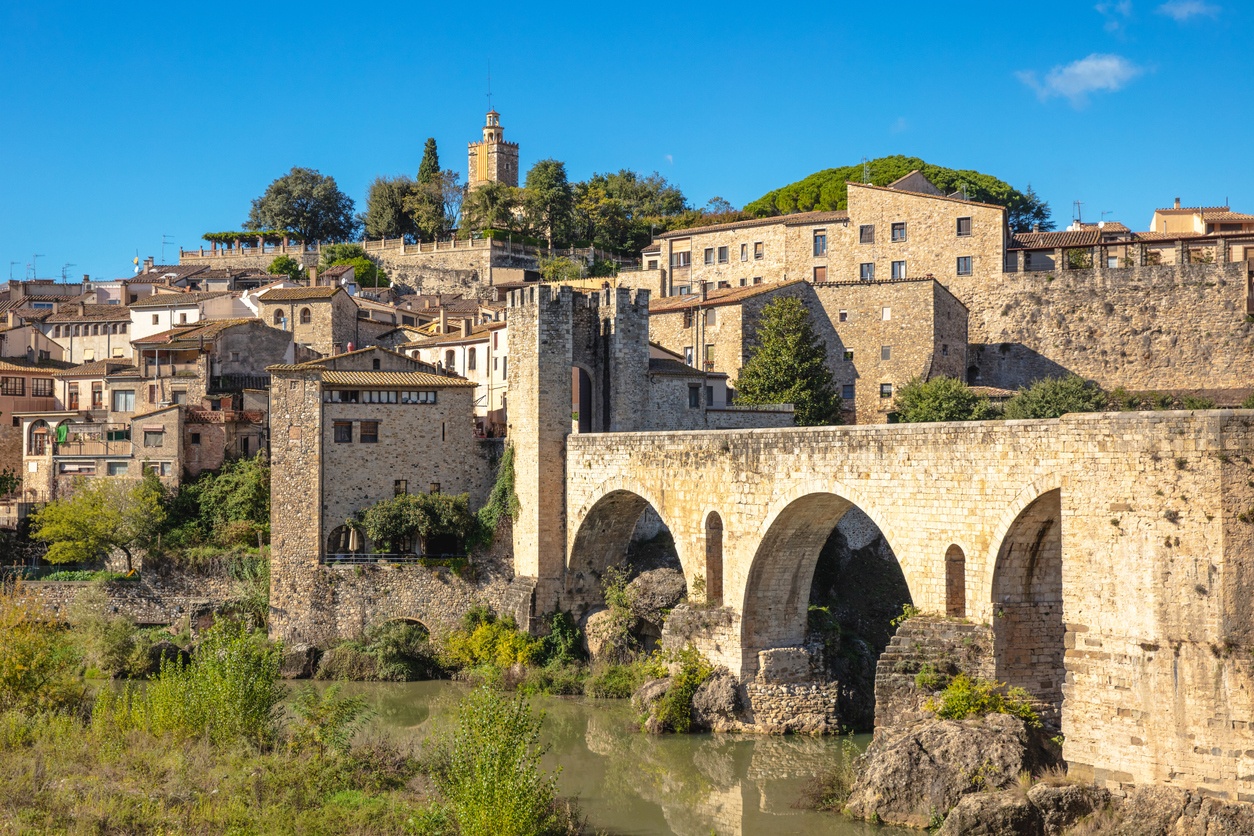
<point>1100,252</point>
<point>1021,265</point>
<point>1221,251</point>
<point>1182,253</point>
<point>1060,258</point>
<point>1139,255</point>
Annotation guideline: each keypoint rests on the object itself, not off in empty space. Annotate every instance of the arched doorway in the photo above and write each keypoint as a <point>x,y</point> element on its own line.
<point>1028,629</point>
<point>580,400</point>
<point>714,559</point>
<point>955,582</point>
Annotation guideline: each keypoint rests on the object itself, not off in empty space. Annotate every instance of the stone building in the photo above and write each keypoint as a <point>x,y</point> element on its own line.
<point>1200,220</point>
<point>479,353</point>
<point>163,311</point>
<point>492,159</point>
<point>88,333</point>
<point>325,319</point>
<point>25,386</point>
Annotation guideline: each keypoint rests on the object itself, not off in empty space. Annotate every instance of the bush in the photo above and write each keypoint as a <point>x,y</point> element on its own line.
<point>941,399</point>
<point>395,651</point>
<point>615,682</point>
<point>1055,397</point>
<point>502,501</point>
<point>674,709</point>
<point>965,697</point>
<point>325,722</point>
<point>39,663</point>
<point>486,640</point>
<point>492,778</point>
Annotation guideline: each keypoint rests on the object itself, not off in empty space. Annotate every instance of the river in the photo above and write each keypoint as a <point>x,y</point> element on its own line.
<point>631,784</point>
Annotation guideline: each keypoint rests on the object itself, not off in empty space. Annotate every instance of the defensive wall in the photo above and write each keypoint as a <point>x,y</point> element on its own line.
<point>1110,554</point>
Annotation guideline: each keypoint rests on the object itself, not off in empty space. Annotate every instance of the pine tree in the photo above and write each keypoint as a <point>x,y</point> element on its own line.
<point>430,165</point>
<point>789,365</point>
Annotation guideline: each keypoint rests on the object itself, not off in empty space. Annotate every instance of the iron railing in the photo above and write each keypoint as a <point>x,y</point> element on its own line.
<point>452,561</point>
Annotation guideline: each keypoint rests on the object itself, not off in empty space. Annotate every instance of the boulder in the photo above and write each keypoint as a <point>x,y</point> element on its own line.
<point>1004,813</point>
<point>926,768</point>
<point>1153,811</point>
<point>644,700</point>
<point>716,703</point>
<point>597,629</point>
<point>655,592</point>
<point>1061,807</point>
<point>165,651</point>
<point>300,661</point>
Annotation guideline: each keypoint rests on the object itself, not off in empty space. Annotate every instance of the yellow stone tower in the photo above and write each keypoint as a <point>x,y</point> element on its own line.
<point>492,159</point>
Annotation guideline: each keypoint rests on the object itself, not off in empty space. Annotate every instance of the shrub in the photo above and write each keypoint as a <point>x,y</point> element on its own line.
<point>941,399</point>
<point>492,778</point>
<point>502,501</point>
<point>485,639</point>
<point>965,697</point>
<point>1055,397</point>
<point>1194,402</point>
<point>615,682</point>
<point>929,679</point>
<point>325,722</point>
<point>38,661</point>
<point>674,709</point>
<point>394,651</point>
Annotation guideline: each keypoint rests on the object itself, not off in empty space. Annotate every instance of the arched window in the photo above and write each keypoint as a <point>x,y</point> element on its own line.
<point>955,583</point>
<point>306,316</point>
<point>345,541</point>
<point>38,443</point>
<point>278,317</point>
<point>450,360</point>
<point>714,559</point>
<point>470,359</point>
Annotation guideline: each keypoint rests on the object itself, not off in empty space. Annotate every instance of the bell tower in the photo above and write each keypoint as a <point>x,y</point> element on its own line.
<point>492,159</point>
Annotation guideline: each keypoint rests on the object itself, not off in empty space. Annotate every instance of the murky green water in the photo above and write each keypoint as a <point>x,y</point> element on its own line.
<point>632,783</point>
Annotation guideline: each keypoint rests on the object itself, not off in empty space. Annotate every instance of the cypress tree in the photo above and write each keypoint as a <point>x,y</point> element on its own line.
<point>789,365</point>
<point>430,165</point>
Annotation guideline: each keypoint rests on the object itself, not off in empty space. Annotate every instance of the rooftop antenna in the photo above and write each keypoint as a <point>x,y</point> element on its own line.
<point>11,263</point>
<point>1078,218</point>
<point>64,267</point>
<point>34,271</point>
<point>489,85</point>
<point>866,171</point>
<point>163,243</point>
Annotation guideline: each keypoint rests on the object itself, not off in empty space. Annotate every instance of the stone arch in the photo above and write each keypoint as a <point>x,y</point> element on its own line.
<point>1026,597</point>
<point>278,317</point>
<point>582,400</point>
<point>714,559</point>
<point>345,540</point>
<point>605,527</point>
<point>955,582</point>
<point>306,316</point>
<point>983,593</point>
<point>777,588</point>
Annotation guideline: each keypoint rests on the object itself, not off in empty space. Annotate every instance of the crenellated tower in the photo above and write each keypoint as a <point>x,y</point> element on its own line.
<point>492,159</point>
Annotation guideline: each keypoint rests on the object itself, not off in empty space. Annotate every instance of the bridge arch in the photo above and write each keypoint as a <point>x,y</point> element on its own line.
<point>604,527</point>
<point>776,592</point>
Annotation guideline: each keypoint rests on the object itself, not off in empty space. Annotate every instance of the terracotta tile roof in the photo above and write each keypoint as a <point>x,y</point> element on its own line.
<point>99,368</point>
<point>192,333</point>
<point>926,196</point>
<point>795,219</point>
<point>477,333</point>
<point>163,300</point>
<point>32,314</point>
<point>153,412</point>
<point>677,368</point>
<point>1190,210</point>
<point>336,270</point>
<point>322,361</point>
<point>1222,217</point>
<point>21,364</point>
<point>94,313</point>
<point>1050,240</point>
<point>426,379</point>
<point>1105,227</point>
<point>170,271</point>
<point>726,296</point>
<point>294,294</point>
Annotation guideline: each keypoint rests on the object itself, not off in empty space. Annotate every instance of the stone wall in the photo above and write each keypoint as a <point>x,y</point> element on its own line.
<point>157,598</point>
<point>949,647</point>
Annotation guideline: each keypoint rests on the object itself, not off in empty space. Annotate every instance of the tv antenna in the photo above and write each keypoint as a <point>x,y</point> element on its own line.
<point>163,243</point>
<point>489,85</point>
<point>11,263</point>
<point>65,267</point>
<point>1078,218</point>
<point>34,271</point>
<point>866,171</point>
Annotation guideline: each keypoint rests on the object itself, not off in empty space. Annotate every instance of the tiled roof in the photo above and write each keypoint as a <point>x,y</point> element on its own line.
<point>395,379</point>
<point>478,332</point>
<point>927,196</point>
<point>170,271</point>
<point>322,361</point>
<point>1190,210</point>
<point>1221,217</point>
<point>795,219</point>
<point>153,412</point>
<point>726,296</point>
<point>672,368</point>
<point>336,270</point>
<point>1065,238</point>
<point>99,368</point>
<point>293,294</point>
<point>162,300</point>
<point>192,333</point>
<point>21,364</point>
<point>95,313</point>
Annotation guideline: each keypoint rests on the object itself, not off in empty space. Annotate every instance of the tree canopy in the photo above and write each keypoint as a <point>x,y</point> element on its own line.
<point>99,516</point>
<point>548,200</point>
<point>386,215</point>
<point>365,271</point>
<point>285,265</point>
<point>430,165</point>
<point>306,203</point>
<point>941,399</point>
<point>389,523</point>
<point>825,191</point>
<point>789,365</point>
<point>1054,397</point>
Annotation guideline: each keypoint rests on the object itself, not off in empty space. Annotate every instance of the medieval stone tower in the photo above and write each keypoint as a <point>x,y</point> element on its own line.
<point>556,337</point>
<point>492,159</point>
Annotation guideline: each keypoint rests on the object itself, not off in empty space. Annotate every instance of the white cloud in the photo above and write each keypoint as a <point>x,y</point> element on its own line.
<point>1075,81</point>
<point>1182,10</point>
<point>670,159</point>
<point>899,125</point>
<point>1116,14</point>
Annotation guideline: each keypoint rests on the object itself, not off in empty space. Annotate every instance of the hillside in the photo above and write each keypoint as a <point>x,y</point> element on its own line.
<point>825,190</point>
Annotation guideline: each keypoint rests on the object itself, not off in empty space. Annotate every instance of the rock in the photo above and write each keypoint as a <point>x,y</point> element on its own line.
<point>1061,807</point>
<point>597,631</point>
<point>649,693</point>
<point>1004,813</point>
<point>716,703</point>
<point>654,592</point>
<point>163,651</point>
<point>929,766</point>
<point>1152,811</point>
<point>300,661</point>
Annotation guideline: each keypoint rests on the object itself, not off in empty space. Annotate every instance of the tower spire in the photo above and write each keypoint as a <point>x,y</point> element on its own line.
<point>489,85</point>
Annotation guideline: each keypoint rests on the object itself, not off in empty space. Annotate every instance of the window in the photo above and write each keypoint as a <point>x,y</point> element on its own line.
<point>652,265</point>
<point>759,251</point>
<point>820,243</point>
<point>694,396</point>
<point>13,386</point>
<point>343,432</point>
<point>400,487</point>
<point>122,328</point>
<point>182,319</point>
<point>820,273</point>
<point>196,439</point>
<point>964,265</point>
<point>744,282</point>
<point>71,396</point>
<point>866,271</point>
<point>944,349</point>
<point>744,252</point>
<point>886,352</point>
<point>757,280</point>
<point>369,432</point>
<point>709,354</point>
<point>886,390</point>
<point>683,290</point>
<point>709,395</point>
<point>681,259</point>
<point>117,468</point>
<point>899,231</point>
<point>306,316</point>
<point>846,391</point>
<point>450,360</point>
<point>41,387</point>
<point>711,317</point>
<point>688,358</point>
<point>688,319</point>
<point>376,365</point>
<point>964,227</point>
<point>178,396</point>
<point>157,468</point>
<point>843,316</point>
<point>89,354</point>
<point>709,255</point>
<point>97,396</point>
<point>154,438</point>
<point>123,400</point>
<point>866,234</point>
<point>899,269</point>
<point>848,356</point>
<point>886,314</point>
<point>117,352</point>
<point>722,255</point>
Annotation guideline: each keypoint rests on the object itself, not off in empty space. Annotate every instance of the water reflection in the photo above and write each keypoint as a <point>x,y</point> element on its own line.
<point>631,783</point>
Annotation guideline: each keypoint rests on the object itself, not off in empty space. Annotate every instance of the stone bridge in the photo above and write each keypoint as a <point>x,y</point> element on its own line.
<point>1111,555</point>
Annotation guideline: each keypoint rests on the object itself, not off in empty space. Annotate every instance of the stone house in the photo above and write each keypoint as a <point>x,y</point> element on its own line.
<point>25,386</point>
<point>326,319</point>
<point>163,311</point>
<point>479,353</point>
<point>88,333</point>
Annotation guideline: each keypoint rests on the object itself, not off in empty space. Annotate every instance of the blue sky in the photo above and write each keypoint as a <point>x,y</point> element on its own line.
<point>121,123</point>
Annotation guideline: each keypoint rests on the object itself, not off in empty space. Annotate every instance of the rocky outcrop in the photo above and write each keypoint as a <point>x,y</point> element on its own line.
<point>716,705</point>
<point>655,593</point>
<point>300,661</point>
<point>915,773</point>
<point>1002,813</point>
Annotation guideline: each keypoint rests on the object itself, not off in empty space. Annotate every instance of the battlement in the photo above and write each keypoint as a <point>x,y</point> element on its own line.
<point>498,142</point>
<point>620,298</point>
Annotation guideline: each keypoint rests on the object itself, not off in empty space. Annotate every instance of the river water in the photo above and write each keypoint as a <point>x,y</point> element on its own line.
<point>632,783</point>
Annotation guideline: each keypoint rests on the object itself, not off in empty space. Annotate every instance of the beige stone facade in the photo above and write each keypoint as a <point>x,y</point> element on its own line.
<point>492,160</point>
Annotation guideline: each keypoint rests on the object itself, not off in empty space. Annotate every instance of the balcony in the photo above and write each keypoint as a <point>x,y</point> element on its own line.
<point>95,440</point>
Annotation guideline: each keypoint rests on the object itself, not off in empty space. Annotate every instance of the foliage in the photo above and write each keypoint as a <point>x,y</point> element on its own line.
<point>965,697</point>
<point>607,680</point>
<point>230,507</point>
<point>38,661</point>
<point>1196,402</point>
<point>394,651</point>
<point>247,236</point>
<point>9,481</point>
<point>830,790</point>
<point>100,515</point>
<point>228,693</point>
<point>251,600</point>
<point>325,722</point>
<point>789,365</point>
<point>618,643</point>
<point>493,780</point>
<point>674,708</point>
<point>1054,397</point>
<point>502,501</point>
<point>435,205</point>
<point>389,523</point>
<point>908,611</point>
<point>561,269</point>
<point>548,200</point>
<point>492,205</point>
<point>929,679</point>
<point>287,266</point>
<point>429,168</point>
<point>86,575</point>
<point>487,640</point>
<point>365,271</point>
<point>386,216</point>
<point>620,212</point>
<point>826,190</point>
<point>940,399</point>
<point>306,203</point>
<point>1248,403</point>
<point>108,641</point>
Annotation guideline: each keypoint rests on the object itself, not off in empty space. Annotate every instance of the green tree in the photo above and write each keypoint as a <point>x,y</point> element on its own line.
<point>101,515</point>
<point>386,215</point>
<point>285,265</point>
<point>390,522</point>
<point>1027,211</point>
<point>307,203</point>
<point>940,399</point>
<point>789,365</point>
<point>434,205</point>
<point>1054,397</point>
<point>366,271</point>
<point>492,205</point>
<point>9,481</point>
<point>621,211</point>
<point>549,201</point>
<point>430,165</point>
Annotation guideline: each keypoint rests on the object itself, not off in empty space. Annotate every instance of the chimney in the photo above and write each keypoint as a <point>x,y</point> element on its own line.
<point>313,276</point>
<point>443,320</point>
<point>467,324</point>
<point>1177,203</point>
<point>1036,227</point>
<point>149,264</point>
